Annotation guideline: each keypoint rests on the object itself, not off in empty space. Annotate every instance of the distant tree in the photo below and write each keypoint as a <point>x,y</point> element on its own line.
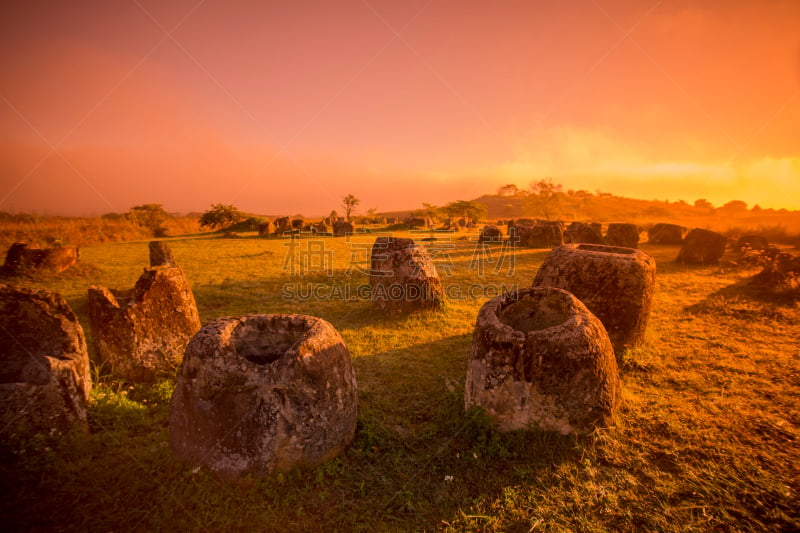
<point>734,205</point>
<point>150,216</point>
<point>756,208</point>
<point>333,216</point>
<point>372,211</point>
<point>508,190</point>
<point>703,204</point>
<point>470,210</point>
<point>349,203</point>
<point>220,216</point>
<point>544,198</point>
<point>431,211</point>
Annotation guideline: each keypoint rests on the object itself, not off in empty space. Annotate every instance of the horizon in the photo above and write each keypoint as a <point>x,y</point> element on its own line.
<point>287,108</point>
<point>362,212</point>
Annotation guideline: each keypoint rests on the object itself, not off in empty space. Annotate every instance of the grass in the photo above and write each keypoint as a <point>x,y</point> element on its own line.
<point>707,437</point>
<point>43,231</point>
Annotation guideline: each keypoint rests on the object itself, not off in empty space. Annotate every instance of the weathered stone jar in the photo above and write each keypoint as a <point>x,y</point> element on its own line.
<point>403,277</point>
<point>622,234</point>
<point>160,254</point>
<point>702,246</point>
<point>142,333</point>
<point>615,283</point>
<point>663,233</point>
<point>262,394</point>
<point>44,366</point>
<point>540,359</point>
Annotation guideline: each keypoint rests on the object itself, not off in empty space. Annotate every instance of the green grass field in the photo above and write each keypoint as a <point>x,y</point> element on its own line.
<point>707,437</point>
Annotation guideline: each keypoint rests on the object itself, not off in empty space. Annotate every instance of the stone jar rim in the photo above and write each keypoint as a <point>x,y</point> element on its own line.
<point>619,252</point>
<point>576,314</point>
<point>301,330</point>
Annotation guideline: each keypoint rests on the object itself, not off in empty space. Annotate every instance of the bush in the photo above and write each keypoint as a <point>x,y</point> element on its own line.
<point>248,224</point>
<point>220,216</point>
<point>150,216</point>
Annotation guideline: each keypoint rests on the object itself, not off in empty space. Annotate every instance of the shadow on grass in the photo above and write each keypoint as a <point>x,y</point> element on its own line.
<point>748,300</point>
<point>342,300</point>
<point>417,461</point>
<point>425,459</point>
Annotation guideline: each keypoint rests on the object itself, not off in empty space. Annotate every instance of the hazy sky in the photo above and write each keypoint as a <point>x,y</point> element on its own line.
<point>285,107</point>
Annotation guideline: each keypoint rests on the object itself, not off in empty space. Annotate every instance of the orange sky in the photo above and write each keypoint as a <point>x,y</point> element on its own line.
<point>285,107</point>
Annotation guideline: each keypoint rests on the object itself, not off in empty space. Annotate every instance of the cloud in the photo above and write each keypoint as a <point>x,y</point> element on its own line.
<point>591,159</point>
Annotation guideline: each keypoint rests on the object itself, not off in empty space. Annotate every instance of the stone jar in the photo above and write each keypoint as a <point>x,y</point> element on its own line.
<point>622,234</point>
<point>490,234</point>
<point>541,360</point>
<point>702,247</point>
<point>615,283</point>
<point>263,393</point>
<point>580,232</point>
<point>403,277</point>
<point>663,233</point>
<point>44,365</point>
<point>142,333</point>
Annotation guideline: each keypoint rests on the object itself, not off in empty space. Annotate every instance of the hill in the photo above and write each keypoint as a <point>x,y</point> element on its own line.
<point>733,218</point>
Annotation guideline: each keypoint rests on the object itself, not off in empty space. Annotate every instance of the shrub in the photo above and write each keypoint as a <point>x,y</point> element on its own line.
<point>220,216</point>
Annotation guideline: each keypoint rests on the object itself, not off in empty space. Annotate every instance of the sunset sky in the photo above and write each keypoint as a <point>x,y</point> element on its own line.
<point>285,107</point>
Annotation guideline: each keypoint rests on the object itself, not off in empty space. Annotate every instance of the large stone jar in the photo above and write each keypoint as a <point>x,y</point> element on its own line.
<point>262,394</point>
<point>615,283</point>
<point>44,365</point>
<point>541,360</point>
<point>141,334</point>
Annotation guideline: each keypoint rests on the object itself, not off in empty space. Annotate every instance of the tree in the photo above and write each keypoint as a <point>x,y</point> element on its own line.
<point>544,198</point>
<point>474,211</point>
<point>508,190</point>
<point>220,216</point>
<point>702,203</point>
<point>150,216</point>
<point>430,211</point>
<point>349,203</point>
<point>735,205</point>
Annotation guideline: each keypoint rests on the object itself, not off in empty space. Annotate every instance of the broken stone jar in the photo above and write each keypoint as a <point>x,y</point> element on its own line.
<point>263,393</point>
<point>44,365</point>
<point>541,360</point>
<point>141,334</point>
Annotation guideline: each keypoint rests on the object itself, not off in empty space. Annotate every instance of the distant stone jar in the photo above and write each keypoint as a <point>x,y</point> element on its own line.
<point>22,258</point>
<point>342,228</point>
<point>579,232</point>
<point>702,247</point>
<point>615,283</point>
<point>44,365</point>
<point>542,235</point>
<point>490,234</point>
<point>541,360</point>
<point>263,393</point>
<point>141,333</point>
<point>160,254</point>
<point>622,234</point>
<point>663,233</point>
<point>403,277</point>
